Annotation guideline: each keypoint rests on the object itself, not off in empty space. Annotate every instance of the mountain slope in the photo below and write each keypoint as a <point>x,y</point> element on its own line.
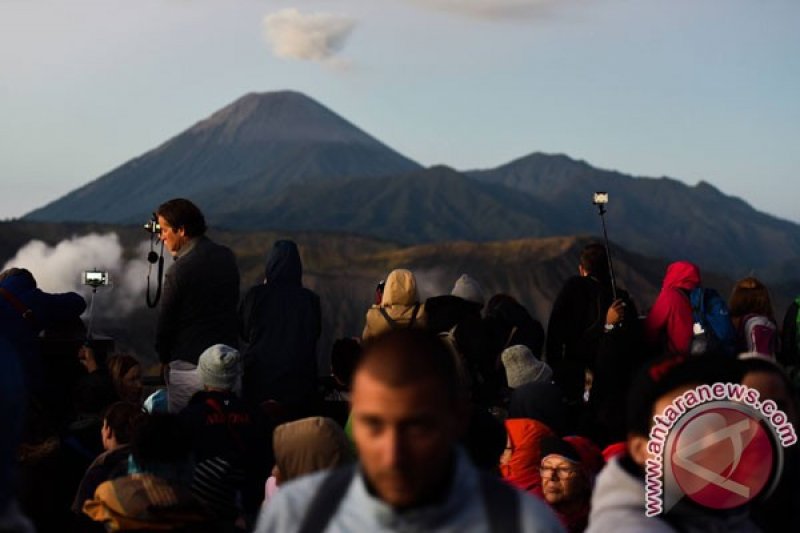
<point>344,269</point>
<point>259,143</point>
<point>432,205</point>
<point>657,217</point>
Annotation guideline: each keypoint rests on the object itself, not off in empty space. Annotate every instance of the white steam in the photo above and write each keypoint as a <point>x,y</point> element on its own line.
<point>310,37</point>
<point>60,268</point>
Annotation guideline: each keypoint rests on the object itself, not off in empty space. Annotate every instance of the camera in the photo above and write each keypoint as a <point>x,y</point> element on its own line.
<point>600,198</point>
<point>152,225</point>
<point>95,278</point>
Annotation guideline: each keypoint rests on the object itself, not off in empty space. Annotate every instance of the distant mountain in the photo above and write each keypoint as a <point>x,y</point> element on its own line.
<point>437,204</point>
<point>282,161</point>
<point>656,217</point>
<point>257,145</point>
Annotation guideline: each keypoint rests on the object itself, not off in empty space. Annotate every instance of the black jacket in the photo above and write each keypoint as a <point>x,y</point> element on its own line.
<point>576,337</point>
<point>224,426</point>
<point>198,305</point>
<point>280,325</point>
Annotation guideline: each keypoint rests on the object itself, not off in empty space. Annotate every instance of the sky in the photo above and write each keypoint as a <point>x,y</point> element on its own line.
<point>691,89</point>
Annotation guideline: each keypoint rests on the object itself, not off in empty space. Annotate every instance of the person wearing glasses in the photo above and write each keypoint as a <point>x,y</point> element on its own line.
<point>568,477</point>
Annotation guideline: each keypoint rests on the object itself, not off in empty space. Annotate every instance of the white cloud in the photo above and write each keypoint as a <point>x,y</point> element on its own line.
<point>308,36</point>
<point>491,9</point>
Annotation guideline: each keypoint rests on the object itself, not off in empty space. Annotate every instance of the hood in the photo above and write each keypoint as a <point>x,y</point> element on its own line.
<point>310,445</point>
<point>401,288</point>
<point>283,264</point>
<point>522,467</point>
<point>18,281</point>
<point>681,275</point>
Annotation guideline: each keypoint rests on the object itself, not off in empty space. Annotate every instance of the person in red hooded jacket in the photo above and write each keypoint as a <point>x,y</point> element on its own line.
<point>669,323</point>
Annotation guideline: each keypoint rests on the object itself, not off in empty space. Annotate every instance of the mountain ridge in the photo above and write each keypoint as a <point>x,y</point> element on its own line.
<point>283,160</point>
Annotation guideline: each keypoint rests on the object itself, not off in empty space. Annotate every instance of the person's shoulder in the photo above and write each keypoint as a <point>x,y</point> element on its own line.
<point>286,510</point>
<point>210,247</point>
<point>577,284</point>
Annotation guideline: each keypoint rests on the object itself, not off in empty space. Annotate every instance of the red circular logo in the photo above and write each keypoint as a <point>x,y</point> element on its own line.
<point>722,457</point>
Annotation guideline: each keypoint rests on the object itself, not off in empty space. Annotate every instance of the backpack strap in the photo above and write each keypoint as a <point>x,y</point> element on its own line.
<point>501,502</point>
<point>797,323</point>
<point>24,311</point>
<point>393,323</point>
<point>510,336</point>
<point>389,320</point>
<point>327,499</point>
<point>413,315</point>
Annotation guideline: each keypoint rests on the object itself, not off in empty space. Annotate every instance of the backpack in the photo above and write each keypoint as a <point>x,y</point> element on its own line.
<point>760,335</point>
<point>713,330</point>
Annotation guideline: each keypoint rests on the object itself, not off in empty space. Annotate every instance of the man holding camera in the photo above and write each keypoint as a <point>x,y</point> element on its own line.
<point>198,305</point>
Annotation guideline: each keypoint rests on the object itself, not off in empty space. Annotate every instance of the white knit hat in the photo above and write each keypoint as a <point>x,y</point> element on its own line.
<point>523,367</point>
<point>468,289</point>
<point>220,366</point>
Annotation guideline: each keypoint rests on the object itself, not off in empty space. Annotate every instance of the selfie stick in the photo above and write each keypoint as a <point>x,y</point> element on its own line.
<point>91,314</point>
<point>601,206</point>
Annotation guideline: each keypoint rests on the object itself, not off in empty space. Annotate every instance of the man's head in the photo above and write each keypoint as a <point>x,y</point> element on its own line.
<point>180,221</point>
<point>660,383</point>
<point>407,414</point>
<point>119,424</point>
<point>594,261</point>
<point>22,273</point>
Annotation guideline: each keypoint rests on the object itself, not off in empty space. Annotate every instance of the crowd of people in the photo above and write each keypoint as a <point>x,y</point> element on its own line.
<point>459,412</point>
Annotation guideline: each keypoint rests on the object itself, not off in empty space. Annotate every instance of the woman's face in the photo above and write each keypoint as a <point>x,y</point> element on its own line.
<point>562,480</point>
<point>131,386</point>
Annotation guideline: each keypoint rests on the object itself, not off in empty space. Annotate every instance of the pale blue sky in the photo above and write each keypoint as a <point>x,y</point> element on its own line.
<point>691,89</point>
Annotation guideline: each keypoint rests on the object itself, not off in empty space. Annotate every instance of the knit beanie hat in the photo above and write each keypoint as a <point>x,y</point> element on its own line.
<point>552,445</point>
<point>523,367</point>
<point>468,289</point>
<point>220,366</point>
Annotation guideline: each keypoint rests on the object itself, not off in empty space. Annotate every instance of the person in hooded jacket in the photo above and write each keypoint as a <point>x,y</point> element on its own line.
<point>669,323</point>
<point>400,306</point>
<point>280,324</point>
<point>26,310</point>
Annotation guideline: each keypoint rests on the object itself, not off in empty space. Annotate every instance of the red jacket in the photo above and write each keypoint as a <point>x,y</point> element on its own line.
<point>522,469</point>
<point>672,313</point>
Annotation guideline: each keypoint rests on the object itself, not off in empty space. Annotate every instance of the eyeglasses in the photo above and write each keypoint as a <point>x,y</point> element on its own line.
<point>562,472</point>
